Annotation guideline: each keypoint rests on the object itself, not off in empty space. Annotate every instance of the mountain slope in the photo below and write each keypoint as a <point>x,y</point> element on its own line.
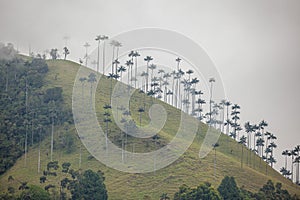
<point>188,169</point>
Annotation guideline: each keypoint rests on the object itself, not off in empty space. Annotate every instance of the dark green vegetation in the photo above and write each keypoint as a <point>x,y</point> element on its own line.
<point>229,190</point>
<point>67,148</point>
<point>73,185</point>
<point>28,108</point>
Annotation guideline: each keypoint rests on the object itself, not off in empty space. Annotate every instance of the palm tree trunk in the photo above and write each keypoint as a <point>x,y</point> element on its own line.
<point>52,133</point>
<point>98,56</point>
<point>103,58</point>
<point>242,156</point>
<point>292,168</point>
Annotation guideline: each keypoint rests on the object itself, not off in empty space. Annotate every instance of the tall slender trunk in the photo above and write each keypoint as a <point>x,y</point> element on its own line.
<point>112,62</point>
<point>242,156</point>
<point>292,168</point>
<point>103,58</point>
<point>147,77</point>
<point>26,109</point>
<point>52,133</point>
<point>98,56</point>
<point>135,73</point>
<point>39,154</point>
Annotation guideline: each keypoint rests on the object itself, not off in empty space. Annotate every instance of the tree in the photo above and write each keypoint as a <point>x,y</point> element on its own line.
<point>211,80</point>
<point>235,118</point>
<point>121,69</point>
<point>103,38</point>
<point>35,193</point>
<point>135,55</point>
<point>66,52</point>
<point>164,196</point>
<point>54,54</point>
<point>90,185</point>
<point>227,123</point>
<point>285,153</point>
<point>92,79</point>
<point>249,129</point>
<point>203,191</point>
<point>242,141</point>
<point>297,161</point>
<point>228,189</point>
<point>147,59</point>
<point>215,158</point>
<point>98,39</point>
<point>86,56</point>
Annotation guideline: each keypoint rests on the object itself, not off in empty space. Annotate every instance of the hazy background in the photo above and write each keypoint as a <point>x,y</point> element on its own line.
<point>255,44</point>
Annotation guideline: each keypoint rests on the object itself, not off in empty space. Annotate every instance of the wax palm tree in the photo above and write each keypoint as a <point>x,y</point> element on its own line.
<point>176,78</point>
<point>166,76</point>
<point>66,52</point>
<point>235,117</point>
<point>297,161</point>
<point>110,76</point>
<point>143,87</point>
<point>271,146</point>
<point>103,38</point>
<point>227,123</point>
<point>215,145</point>
<point>292,154</point>
<point>178,62</point>
<point>180,74</point>
<point>116,63</point>
<point>161,73</point>
<point>113,44</point>
<point>168,94</point>
<point>285,153</point>
<point>121,69</point>
<point>136,55</point>
<point>98,39</point>
<point>147,59</point>
<point>242,141</point>
<point>260,144</point>
<point>194,82</point>
<point>152,67</point>
<point>106,121</point>
<point>256,133</point>
<point>91,79</point>
<point>129,64</point>
<point>86,56</point>
<point>211,80</point>
<point>248,130</point>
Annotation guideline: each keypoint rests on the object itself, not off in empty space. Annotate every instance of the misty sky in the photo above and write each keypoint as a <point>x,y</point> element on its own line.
<point>255,44</point>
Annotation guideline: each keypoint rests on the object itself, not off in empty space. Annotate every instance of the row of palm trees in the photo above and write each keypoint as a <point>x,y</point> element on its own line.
<point>180,89</point>
<point>291,173</point>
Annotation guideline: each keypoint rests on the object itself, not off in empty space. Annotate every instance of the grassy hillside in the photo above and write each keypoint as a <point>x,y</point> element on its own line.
<point>188,169</point>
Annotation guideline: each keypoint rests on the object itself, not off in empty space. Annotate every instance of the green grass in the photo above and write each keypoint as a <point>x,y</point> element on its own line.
<point>188,169</point>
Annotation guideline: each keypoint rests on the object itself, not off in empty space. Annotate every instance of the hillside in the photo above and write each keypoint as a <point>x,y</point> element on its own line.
<point>188,169</point>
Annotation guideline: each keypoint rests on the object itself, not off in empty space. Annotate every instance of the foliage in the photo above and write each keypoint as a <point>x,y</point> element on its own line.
<point>26,106</point>
<point>204,191</point>
<point>89,186</point>
<point>35,193</point>
<point>269,191</point>
<point>228,189</point>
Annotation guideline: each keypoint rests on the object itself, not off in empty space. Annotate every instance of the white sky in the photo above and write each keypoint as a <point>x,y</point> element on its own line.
<point>254,43</point>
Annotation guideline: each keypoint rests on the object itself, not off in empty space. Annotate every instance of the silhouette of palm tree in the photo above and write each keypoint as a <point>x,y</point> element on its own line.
<point>147,59</point>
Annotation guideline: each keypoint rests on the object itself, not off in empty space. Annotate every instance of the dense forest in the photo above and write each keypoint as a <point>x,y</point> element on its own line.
<point>29,110</point>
